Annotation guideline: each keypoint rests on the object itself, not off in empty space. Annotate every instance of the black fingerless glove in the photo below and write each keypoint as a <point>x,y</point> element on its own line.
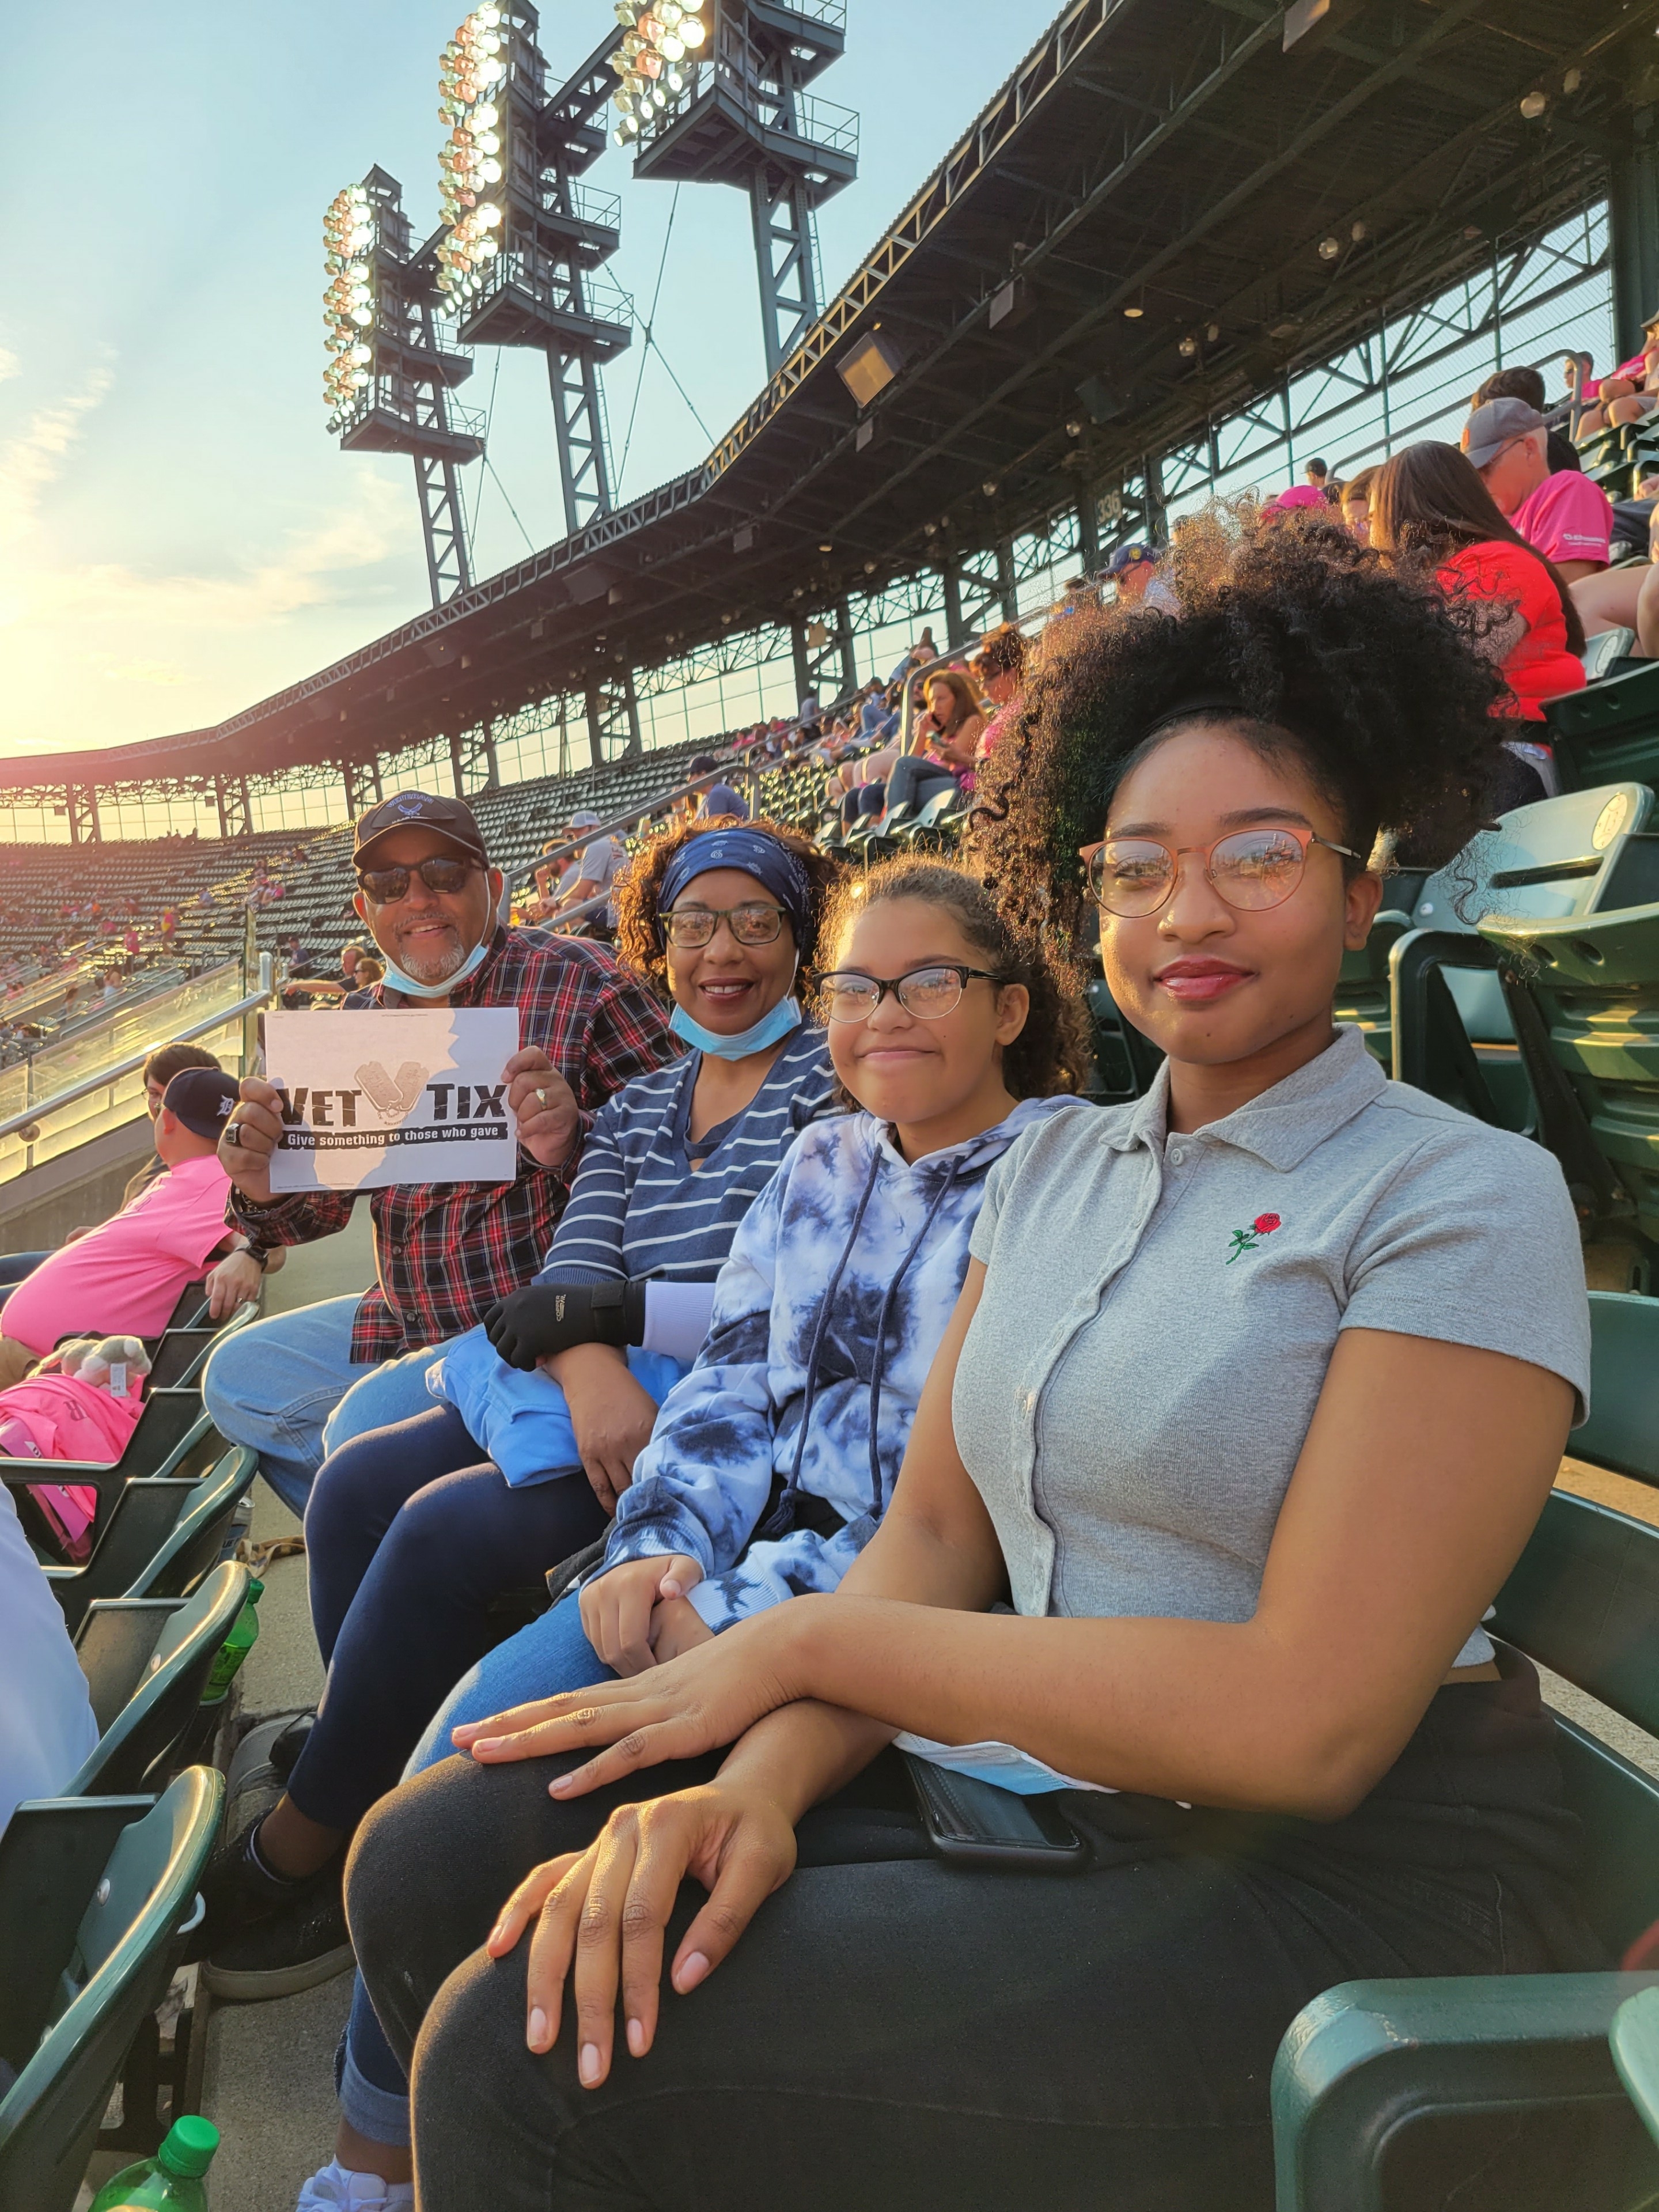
<point>549,1317</point>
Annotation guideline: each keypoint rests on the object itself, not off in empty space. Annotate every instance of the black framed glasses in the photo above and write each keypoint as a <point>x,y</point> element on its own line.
<point>929,993</point>
<point>1251,870</point>
<point>690,927</point>
<point>439,872</point>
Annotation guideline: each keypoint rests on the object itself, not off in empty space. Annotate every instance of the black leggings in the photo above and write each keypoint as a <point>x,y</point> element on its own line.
<point>411,1535</point>
<point>900,2035</point>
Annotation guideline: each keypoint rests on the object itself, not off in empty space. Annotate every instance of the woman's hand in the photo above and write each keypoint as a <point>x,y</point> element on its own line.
<point>619,1608</point>
<point>611,1415</point>
<point>604,1913</point>
<point>699,1702</point>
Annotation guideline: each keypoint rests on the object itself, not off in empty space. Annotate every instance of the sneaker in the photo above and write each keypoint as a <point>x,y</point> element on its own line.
<point>336,2189</point>
<point>297,1946</point>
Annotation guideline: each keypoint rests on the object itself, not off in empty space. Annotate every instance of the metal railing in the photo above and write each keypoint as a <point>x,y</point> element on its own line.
<point>25,1142</point>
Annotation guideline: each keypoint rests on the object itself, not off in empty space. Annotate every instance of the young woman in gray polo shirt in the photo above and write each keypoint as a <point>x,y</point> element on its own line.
<point>1254,1394</point>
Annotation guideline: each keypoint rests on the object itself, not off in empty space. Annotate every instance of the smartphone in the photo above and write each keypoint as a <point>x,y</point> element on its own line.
<point>976,1824</point>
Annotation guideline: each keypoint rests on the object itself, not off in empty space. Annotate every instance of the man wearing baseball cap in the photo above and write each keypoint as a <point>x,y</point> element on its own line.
<point>444,1252</point>
<point>599,861</point>
<point>124,1277</point>
<point>1564,516</point>
<point>1134,570</point>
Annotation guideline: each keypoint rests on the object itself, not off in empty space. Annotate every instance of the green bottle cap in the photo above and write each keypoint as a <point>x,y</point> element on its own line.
<point>256,1589</point>
<point>189,2147</point>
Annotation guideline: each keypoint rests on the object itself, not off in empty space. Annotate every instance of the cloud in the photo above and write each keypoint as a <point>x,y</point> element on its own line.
<point>31,461</point>
<point>10,364</point>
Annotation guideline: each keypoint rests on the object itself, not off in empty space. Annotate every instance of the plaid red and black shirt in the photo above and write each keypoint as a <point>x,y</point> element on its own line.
<point>444,1252</point>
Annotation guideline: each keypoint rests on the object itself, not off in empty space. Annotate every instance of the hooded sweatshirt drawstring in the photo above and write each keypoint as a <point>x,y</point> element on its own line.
<point>879,1365</point>
<point>781,1519</point>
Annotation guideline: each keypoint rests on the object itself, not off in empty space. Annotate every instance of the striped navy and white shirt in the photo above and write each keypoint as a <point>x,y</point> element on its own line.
<point>640,1207</point>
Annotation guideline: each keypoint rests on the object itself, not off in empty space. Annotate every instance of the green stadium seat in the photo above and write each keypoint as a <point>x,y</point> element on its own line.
<point>94,1894</point>
<point>1587,987</point>
<point>1609,732</point>
<point>1450,1022</point>
<point>163,1536</point>
<point>1602,651</point>
<point>929,829</point>
<point>173,1436</point>
<point>1370,2068</point>
<point>1362,990</point>
<point>147,1662</point>
<point>1125,1061</point>
<point>1635,2043</point>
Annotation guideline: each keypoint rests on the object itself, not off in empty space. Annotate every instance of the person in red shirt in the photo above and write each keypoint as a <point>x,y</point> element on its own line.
<point>1564,515</point>
<point>1429,504</point>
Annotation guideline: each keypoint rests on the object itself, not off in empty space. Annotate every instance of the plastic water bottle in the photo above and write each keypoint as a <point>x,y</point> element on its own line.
<point>244,1635</point>
<point>172,2180</point>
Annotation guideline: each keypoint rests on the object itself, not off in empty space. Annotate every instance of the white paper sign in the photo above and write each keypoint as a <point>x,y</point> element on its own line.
<point>377,1096</point>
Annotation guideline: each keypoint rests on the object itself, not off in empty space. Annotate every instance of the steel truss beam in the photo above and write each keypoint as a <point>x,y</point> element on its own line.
<point>579,425</point>
<point>786,257</point>
<point>472,763</point>
<point>813,661</point>
<point>613,717</point>
<point>443,526</point>
<point>80,806</point>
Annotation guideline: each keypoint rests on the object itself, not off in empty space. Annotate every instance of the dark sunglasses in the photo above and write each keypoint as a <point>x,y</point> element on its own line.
<point>386,886</point>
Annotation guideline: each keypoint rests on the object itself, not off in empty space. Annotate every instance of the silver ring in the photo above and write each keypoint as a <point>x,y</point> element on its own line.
<point>542,1095</point>
<point>231,1137</point>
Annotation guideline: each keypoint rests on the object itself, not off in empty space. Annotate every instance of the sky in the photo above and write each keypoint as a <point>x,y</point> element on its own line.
<point>179,534</point>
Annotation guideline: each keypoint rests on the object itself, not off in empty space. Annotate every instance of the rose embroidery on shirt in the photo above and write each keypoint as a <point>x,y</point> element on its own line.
<point>1245,1240</point>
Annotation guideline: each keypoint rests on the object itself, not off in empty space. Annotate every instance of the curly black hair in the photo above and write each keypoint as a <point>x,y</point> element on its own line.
<point>1052,1052</point>
<point>637,943</point>
<point>1373,680</point>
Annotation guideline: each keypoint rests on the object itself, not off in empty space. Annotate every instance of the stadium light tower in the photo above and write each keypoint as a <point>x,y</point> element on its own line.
<point>389,381</point>
<point>524,243</point>
<point>714,92</point>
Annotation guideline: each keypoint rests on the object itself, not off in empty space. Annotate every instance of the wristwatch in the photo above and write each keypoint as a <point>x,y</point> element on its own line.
<point>259,1254</point>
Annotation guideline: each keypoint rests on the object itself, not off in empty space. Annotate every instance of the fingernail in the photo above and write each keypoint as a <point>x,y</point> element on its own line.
<point>691,1973</point>
<point>488,1743</point>
<point>538,2029</point>
<point>636,2038</point>
<point>559,1785</point>
<point>588,2066</point>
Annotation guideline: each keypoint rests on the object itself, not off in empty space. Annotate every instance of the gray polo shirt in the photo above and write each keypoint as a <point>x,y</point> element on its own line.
<point>1158,1314</point>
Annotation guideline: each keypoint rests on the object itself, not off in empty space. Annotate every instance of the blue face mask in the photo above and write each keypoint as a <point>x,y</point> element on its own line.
<point>784,1017</point>
<point>399,982</point>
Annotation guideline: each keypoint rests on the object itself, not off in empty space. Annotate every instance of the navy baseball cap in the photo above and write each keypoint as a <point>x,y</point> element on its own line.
<point>1131,556</point>
<point>453,819</point>
<point>201,1097</point>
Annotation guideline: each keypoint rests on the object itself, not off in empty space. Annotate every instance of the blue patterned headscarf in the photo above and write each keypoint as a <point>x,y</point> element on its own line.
<point>770,864</point>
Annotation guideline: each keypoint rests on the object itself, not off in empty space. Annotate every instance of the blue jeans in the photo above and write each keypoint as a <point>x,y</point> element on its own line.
<point>14,1267</point>
<point>552,1654</point>
<point>289,1387</point>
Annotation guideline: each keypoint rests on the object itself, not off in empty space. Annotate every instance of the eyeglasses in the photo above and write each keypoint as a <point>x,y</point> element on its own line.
<point>690,928</point>
<point>386,886</point>
<point>929,993</point>
<point>1251,870</point>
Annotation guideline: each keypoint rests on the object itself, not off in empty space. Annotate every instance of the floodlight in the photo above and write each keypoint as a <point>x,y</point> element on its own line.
<point>868,368</point>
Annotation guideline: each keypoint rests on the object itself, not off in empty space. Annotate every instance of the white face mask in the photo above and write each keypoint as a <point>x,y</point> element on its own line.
<point>407,984</point>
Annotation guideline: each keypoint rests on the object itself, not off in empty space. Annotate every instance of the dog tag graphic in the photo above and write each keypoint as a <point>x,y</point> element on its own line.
<point>391,1096</point>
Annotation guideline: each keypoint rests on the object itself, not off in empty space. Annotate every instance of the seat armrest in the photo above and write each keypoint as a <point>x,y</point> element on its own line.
<point>52,1852</point>
<point>1367,2059</point>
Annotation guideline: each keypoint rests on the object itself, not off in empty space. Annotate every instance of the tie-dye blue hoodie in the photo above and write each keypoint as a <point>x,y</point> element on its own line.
<point>843,1276</point>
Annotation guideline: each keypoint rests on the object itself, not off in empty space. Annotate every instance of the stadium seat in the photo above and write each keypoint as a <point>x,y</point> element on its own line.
<point>94,1894</point>
<point>1362,990</point>
<point>1371,2066</point>
<point>1125,1061</point>
<point>1609,732</point>
<point>1451,1021</point>
<point>1587,987</point>
<point>163,1535</point>
<point>1602,651</point>
<point>147,1662</point>
<point>173,1436</point>
<point>1635,2043</point>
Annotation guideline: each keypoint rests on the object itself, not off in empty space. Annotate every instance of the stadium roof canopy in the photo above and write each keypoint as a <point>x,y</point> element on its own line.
<point>1168,156</point>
